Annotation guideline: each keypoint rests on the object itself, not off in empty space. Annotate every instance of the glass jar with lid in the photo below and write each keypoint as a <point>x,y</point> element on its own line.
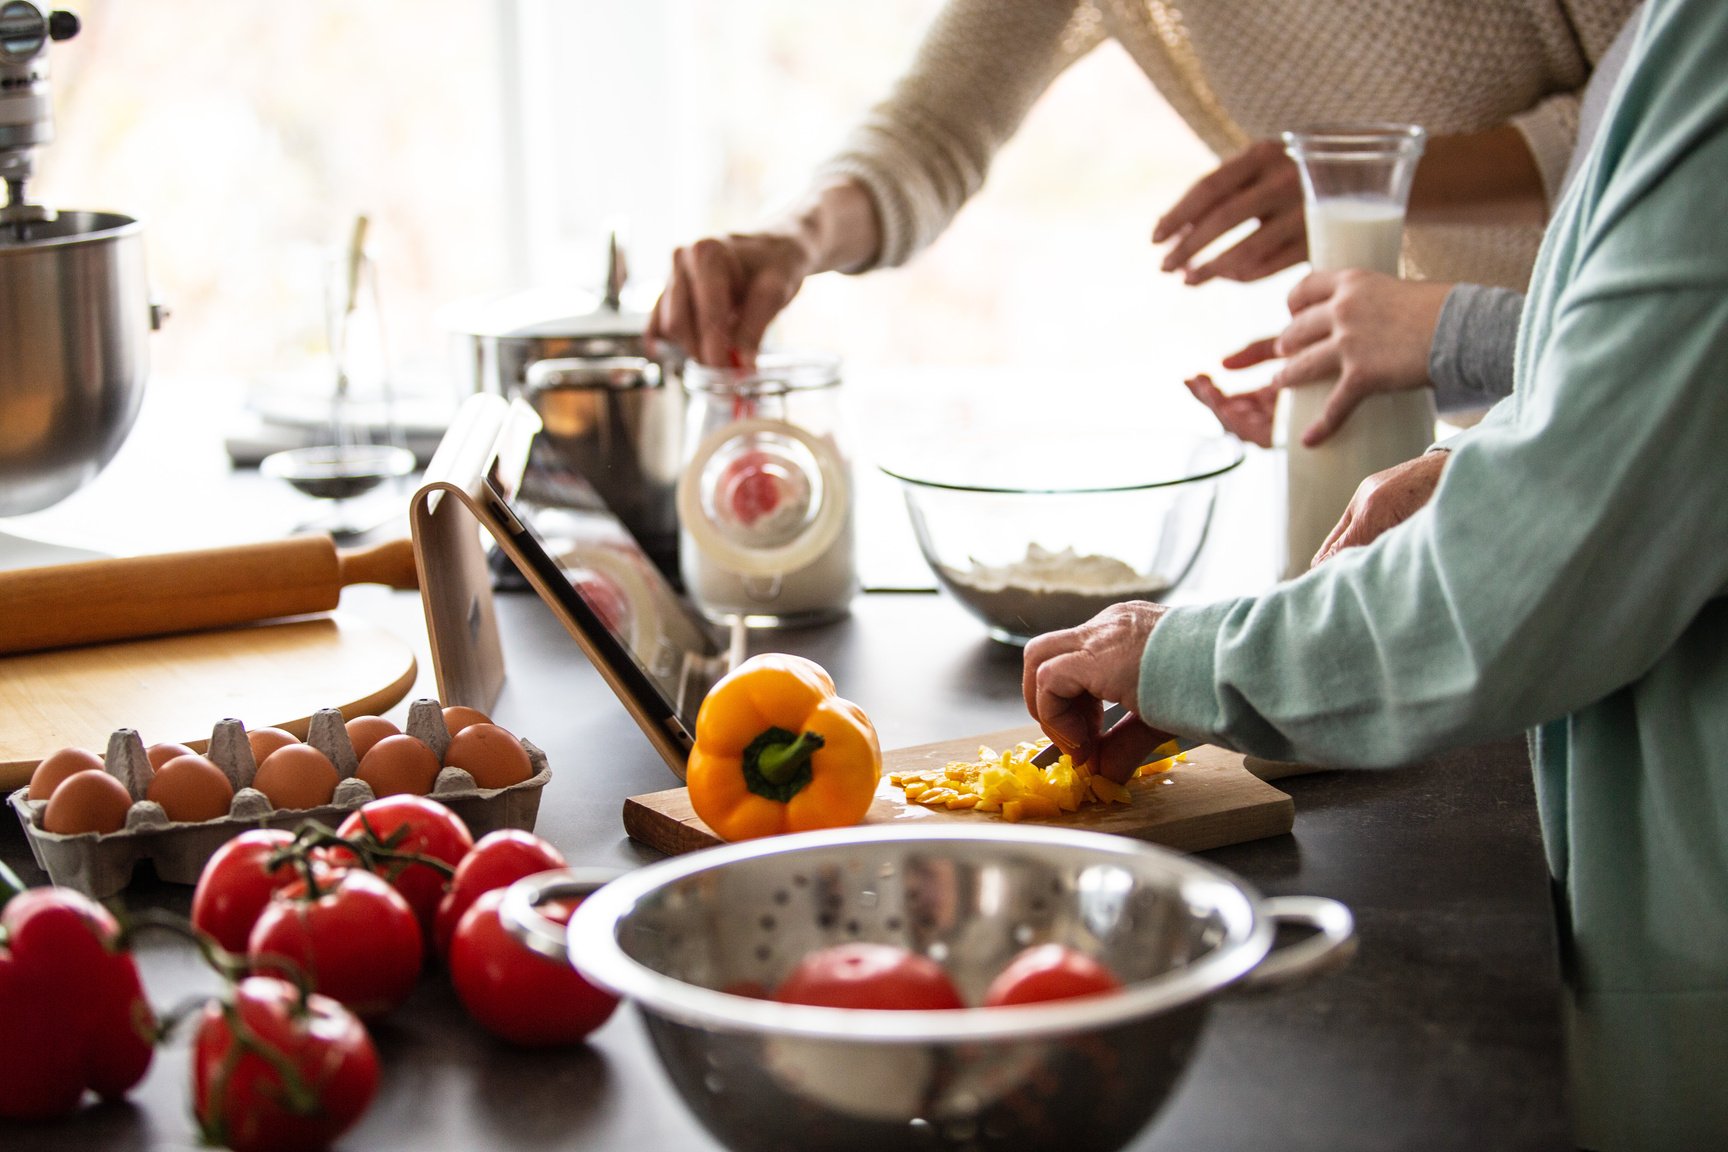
<point>765,495</point>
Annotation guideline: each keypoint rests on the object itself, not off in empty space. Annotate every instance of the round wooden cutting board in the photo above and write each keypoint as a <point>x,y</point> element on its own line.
<point>175,688</point>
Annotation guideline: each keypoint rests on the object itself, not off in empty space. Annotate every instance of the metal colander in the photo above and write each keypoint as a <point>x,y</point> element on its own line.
<point>1077,1074</point>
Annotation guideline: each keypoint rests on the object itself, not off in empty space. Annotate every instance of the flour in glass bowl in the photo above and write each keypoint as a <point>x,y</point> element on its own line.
<point>1047,591</point>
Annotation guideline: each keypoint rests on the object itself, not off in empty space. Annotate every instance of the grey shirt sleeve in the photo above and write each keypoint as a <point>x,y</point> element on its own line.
<point>1470,361</point>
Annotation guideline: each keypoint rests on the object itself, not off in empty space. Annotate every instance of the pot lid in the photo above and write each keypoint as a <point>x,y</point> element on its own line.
<point>555,313</point>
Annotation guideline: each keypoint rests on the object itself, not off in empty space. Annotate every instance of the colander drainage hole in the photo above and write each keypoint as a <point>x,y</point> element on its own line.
<point>768,922</point>
<point>782,897</point>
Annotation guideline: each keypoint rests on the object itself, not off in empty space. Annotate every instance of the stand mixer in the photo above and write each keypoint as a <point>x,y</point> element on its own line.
<point>75,314</point>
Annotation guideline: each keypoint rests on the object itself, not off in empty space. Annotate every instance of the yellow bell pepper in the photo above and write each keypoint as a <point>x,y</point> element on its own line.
<point>777,751</point>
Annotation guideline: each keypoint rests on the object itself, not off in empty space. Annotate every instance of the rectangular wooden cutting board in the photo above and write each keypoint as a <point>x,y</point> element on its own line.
<point>1208,801</point>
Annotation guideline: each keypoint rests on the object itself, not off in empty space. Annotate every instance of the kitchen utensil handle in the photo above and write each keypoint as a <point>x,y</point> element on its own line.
<point>390,563</point>
<point>519,912</point>
<point>121,599</point>
<point>1333,941</point>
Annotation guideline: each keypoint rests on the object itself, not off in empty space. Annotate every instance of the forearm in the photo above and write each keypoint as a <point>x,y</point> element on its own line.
<point>837,224</point>
<point>1478,178</point>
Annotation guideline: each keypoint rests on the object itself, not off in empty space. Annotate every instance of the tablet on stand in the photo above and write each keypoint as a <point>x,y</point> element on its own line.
<point>488,481</point>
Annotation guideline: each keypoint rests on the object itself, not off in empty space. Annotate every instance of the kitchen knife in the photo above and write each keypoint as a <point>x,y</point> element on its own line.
<point>1108,721</point>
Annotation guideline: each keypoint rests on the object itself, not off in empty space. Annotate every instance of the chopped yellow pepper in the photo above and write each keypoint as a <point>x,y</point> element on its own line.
<point>1009,783</point>
<point>777,751</point>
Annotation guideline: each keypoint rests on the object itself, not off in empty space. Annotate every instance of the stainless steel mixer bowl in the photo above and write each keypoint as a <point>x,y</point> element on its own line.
<point>75,317</point>
<point>1075,1075</point>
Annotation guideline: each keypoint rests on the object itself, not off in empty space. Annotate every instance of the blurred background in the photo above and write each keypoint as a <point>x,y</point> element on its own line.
<point>495,144</point>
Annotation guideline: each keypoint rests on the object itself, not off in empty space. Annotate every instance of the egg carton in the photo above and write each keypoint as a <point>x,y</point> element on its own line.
<point>101,864</point>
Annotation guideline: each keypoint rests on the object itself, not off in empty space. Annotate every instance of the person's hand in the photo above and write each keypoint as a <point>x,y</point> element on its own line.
<point>724,291</point>
<point>1069,675</point>
<point>1384,501</point>
<point>1245,415</point>
<point>1367,331</point>
<point>1259,183</point>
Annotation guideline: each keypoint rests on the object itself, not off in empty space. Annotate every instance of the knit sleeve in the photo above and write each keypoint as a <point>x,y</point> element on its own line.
<point>925,150</point>
<point>1470,360</point>
<point>1549,130</point>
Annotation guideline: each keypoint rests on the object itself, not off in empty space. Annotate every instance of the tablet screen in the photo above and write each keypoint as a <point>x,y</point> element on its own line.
<point>664,652</point>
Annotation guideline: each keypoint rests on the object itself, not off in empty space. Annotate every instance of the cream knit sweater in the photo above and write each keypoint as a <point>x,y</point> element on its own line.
<point>1237,70</point>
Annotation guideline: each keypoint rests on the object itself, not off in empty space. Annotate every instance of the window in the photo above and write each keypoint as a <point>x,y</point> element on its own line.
<point>494,145</point>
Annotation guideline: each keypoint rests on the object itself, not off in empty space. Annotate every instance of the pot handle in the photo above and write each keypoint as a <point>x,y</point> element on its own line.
<point>520,914</point>
<point>1331,945</point>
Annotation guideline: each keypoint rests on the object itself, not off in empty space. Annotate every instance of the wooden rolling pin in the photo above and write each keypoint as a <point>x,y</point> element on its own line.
<point>99,600</point>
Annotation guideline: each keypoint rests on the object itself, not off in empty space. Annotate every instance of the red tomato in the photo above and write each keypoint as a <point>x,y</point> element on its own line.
<point>72,1013</point>
<point>1049,972</point>
<point>862,975</point>
<point>236,884</point>
<point>499,860</point>
<point>356,940</point>
<point>413,824</point>
<point>239,1096</point>
<point>516,993</point>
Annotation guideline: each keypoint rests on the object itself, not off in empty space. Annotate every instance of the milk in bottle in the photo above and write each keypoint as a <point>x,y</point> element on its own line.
<point>1355,183</point>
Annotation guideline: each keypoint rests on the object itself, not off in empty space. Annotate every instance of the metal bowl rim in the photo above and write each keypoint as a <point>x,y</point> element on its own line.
<point>593,944</point>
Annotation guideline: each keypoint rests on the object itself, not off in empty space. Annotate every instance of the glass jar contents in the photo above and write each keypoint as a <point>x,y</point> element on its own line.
<point>765,494</point>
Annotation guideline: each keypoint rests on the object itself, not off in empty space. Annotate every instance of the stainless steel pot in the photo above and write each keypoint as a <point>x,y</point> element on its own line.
<point>612,411</point>
<point>1081,1075</point>
<point>75,317</point>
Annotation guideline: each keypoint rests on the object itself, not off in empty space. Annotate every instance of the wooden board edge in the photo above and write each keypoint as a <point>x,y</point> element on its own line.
<point>657,830</point>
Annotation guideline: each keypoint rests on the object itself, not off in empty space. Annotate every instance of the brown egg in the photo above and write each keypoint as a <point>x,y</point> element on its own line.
<point>458,717</point>
<point>88,801</point>
<point>57,767</point>
<point>491,755</point>
<point>266,740</point>
<point>400,764</point>
<point>296,776</point>
<point>365,731</point>
<point>160,754</point>
<point>191,788</point>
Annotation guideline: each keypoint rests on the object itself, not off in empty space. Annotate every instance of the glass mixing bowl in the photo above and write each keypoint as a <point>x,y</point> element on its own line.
<point>1033,536</point>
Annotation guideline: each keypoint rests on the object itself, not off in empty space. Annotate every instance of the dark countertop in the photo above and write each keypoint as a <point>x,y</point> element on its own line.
<point>1443,1033</point>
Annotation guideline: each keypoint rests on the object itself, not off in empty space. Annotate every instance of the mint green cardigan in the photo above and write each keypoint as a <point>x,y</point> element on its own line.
<point>1567,578</point>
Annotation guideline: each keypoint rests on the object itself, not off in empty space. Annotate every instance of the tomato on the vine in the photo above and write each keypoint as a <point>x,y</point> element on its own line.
<point>417,825</point>
<point>1049,972</point>
<point>354,938</point>
<point>273,1074</point>
<point>498,860</point>
<point>73,1016</point>
<point>865,975</point>
<point>513,991</point>
<point>236,884</point>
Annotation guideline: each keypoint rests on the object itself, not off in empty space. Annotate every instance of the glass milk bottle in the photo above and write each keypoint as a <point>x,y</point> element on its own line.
<point>765,494</point>
<point>1355,184</point>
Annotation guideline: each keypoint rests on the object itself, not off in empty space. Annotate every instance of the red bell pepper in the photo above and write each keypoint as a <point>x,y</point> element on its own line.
<point>72,1012</point>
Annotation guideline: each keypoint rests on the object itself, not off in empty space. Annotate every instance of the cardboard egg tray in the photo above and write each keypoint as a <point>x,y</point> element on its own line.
<point>101,864</point>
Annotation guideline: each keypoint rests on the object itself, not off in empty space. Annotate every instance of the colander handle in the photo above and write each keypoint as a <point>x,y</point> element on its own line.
<point>520,913</point>
<point>1333,941</point>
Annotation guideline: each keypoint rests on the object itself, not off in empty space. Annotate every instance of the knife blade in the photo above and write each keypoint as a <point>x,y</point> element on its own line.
<point>1107,721</point>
